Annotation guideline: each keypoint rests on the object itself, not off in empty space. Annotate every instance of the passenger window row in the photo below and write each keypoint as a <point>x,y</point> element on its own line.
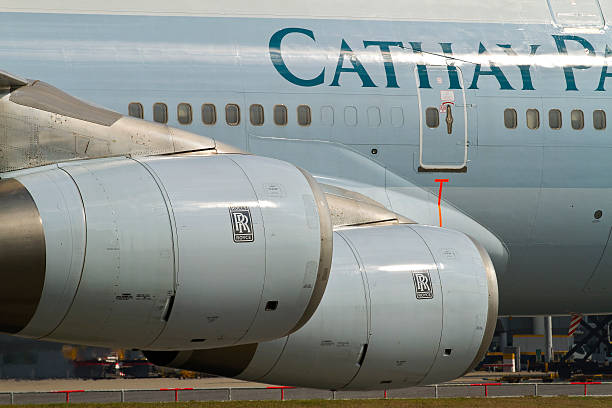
<point>232,114</point>
<point>555,119</point>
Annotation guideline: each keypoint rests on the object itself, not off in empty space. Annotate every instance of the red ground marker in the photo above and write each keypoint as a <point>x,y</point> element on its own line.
<point>585,385</point>
<point>282,390</point>
<point>486,387</point>
<point>67,392</point>
<point>176,390</point>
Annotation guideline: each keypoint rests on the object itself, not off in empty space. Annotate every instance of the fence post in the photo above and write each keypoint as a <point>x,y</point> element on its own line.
<point>229,394</point>
<point>436,390</point>
<point>12,398</point>
<point>535,391</point>
<point>122,395</point>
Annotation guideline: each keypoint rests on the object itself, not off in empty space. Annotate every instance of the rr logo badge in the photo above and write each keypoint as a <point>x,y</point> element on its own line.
<point>242,224</point>
<point>422,285</point>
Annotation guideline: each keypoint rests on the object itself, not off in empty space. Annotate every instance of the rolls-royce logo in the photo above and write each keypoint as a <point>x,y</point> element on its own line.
<point>242,224</point>
<point>422,285</point>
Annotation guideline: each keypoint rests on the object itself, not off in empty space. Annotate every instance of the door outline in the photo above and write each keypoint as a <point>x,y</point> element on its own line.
<point>442,167</point>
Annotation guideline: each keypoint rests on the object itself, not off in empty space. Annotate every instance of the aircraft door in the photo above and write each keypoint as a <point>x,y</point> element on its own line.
<point>443,121</point>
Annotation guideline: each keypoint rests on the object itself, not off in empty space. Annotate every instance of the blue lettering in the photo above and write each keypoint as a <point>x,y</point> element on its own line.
<point>453,76</point>
<point>346,51</point>
<point>417,48</point>
<point>525,69</point>
<point>495,71</point>
<point>279,64</point>
<point>604,71</point>
<point>388,61</point>
<point>568,70</point>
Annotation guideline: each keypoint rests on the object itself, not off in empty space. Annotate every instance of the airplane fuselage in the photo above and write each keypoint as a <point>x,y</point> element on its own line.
<point>520,134</point>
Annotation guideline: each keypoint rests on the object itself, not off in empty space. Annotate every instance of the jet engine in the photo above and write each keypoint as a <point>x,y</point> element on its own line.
<point>405,305</point>
<point>166,252</point>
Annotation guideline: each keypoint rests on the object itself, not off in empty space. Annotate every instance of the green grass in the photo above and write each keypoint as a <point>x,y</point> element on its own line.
<point>522,402</point>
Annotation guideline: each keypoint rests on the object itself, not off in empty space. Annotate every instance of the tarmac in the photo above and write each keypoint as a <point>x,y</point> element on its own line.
<point>157,383</point>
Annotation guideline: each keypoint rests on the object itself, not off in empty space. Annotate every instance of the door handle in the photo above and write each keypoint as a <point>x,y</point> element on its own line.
<point>449,119</point>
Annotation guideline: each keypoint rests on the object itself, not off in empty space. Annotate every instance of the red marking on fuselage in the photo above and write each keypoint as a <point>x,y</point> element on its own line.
<point>441,181</point>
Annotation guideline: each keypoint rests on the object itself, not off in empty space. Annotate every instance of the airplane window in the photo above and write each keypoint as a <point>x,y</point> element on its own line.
<point>232,114</point>
<point>510,118</point>
<point>160,112</point>
<point>304,116</point>
<point>209,114</point>
<point>577,119</point>
<point>599,119</point>
<point>373,116</point>
<point>327,115</point>
<point>397,116</point>
<point>350,116</point>
<point>533,118</point>
<point>432,117</point>
<point>256,113</point>
<point>136,110</point>
<point>555,119</point>
<point>184,114</point>
<point>280,115</point>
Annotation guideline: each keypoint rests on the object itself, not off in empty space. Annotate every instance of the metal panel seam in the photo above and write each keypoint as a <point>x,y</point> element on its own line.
<point>173,233</point>
<point>368,300</point>
<point>442,302</point>
<point>263,226</point>
<point>76,291</point>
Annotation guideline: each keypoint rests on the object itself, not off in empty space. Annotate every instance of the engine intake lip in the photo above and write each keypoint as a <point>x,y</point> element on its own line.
<point>22,256</point>
<point>493,305</point>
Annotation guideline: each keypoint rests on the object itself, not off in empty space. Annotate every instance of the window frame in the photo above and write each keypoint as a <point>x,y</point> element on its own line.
<point>284,107</point>
<point>605,119</point>
<point>378,117</point>
<point>348,111</point>
<point>141,110</point>
<point>238,114</point>
<point>329,109</point>
<point>309,115</point>
<point>178,106</point>
<point>431,109</point>
<point>214,122</point>
<point>538,116</point>
<point>515,116</point>
<point>581,112</point>
<point>560,119</point>
<point>165,111</point>
<point>263,117</point>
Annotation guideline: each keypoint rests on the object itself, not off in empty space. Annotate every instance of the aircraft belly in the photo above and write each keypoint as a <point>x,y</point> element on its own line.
<point>549,279</point>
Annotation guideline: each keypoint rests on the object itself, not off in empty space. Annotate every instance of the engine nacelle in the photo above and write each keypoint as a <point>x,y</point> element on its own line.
<point>162,252</point>
<point>405,305</point>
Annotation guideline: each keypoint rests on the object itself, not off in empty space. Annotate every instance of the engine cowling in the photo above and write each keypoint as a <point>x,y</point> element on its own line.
<point>405,305</point>
<point>162,252</point>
